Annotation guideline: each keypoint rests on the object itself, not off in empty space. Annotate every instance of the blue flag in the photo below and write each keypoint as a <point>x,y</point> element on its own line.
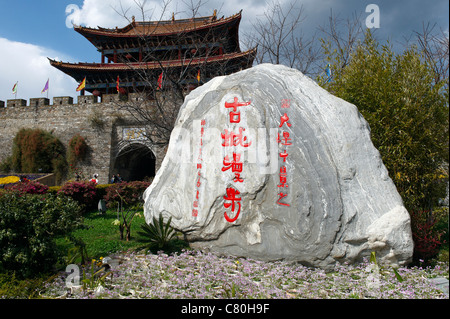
<point>328,72</point>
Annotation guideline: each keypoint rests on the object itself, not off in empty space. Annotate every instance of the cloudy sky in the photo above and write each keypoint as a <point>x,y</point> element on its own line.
<point>31,31</point>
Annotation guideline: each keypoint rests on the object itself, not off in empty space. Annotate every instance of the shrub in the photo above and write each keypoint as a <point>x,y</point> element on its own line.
<point>441,216</point>
<point>14,288</point>
<point>82,192</point>
<point>29,225</point>
<point>131,192</point>
<point>101,190</point>
<point>54,189</point>
<point>28,187</point>
<point>426,236</point>
<point>37,151</point>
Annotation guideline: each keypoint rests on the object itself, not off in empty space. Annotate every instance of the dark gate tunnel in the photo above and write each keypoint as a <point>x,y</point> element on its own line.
<point>135,163</point>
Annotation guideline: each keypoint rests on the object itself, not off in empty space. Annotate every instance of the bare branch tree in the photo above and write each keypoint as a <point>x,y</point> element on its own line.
<point>279,38</point>
<point>342,40</point>
<point>148,108</point>
<point>170,74</point>
<point>435,47</point>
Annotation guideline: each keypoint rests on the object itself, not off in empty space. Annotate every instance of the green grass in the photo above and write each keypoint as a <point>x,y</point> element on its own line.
<point>15,288</point>
<point>102,237</point>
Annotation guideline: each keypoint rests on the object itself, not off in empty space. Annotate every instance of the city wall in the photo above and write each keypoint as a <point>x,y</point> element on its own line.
<point>102,125</point>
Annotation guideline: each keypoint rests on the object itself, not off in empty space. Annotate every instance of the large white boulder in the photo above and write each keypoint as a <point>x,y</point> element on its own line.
<point>266,164</point>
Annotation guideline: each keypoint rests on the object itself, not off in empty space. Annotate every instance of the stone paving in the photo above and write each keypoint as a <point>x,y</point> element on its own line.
<point>441,283</point>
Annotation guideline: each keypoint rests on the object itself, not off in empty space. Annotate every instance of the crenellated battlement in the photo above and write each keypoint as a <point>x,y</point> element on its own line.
<point>68,100</point>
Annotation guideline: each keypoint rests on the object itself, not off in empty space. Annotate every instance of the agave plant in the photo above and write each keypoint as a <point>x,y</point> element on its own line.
<point>157,233</point>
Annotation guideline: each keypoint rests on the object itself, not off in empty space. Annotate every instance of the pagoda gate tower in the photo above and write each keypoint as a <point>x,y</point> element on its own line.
<point>146,68</point>
<point>139,56</point>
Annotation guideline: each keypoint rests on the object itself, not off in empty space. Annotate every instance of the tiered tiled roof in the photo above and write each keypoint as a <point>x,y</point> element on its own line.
<point>208,45</point>
<point>158,28</point>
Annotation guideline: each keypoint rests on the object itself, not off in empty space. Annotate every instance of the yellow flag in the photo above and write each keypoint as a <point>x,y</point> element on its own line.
<point>82,85</point>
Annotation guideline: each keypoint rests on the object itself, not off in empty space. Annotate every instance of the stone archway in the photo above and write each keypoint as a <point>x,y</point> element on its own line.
<point>135,162</point>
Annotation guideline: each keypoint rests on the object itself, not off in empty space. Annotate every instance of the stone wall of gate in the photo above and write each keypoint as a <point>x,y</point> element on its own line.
<point>103,126</point>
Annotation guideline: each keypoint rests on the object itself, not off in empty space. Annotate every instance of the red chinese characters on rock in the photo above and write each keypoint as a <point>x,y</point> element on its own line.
<point>285,141</point>
<point>198,183</point>
<point>282,195</point>
<point>285,119</point>
<point>283,177</point>
<point>285,103</point>
<point>231,196</point>
<point>235,165</point>
<point>231,139</point>
<point>235,139</point>
<point>235,117</point>
<point>284,155</point>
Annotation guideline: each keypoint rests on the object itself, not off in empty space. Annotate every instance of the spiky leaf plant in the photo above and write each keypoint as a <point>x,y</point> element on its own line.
<point>157,233</point>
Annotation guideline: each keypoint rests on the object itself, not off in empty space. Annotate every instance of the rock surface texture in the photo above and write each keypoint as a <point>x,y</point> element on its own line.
<point>266,164</point>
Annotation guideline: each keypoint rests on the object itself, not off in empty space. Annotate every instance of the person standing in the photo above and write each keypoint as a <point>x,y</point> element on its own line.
<point>95,179</point>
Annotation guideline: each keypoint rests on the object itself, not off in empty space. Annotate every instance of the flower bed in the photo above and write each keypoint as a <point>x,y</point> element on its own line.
<point>4,180</point>
<point>28,187</point>
<point>7,179</point>
<point>194,274</point>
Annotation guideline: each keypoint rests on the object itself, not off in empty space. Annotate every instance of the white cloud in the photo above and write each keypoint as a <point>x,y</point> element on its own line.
<point>114,13</point>
<point>28,64</point>
<point>109,14</point>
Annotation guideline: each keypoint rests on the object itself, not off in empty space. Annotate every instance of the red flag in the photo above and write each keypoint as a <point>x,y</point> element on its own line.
<point>160,80</point>
<point>117,86</point>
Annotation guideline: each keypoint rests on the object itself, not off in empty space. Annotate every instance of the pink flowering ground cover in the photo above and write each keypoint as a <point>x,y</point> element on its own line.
<point>199,275</point>
<point>28,187</point>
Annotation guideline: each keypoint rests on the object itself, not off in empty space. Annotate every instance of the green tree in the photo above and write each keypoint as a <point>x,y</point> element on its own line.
<point>407,112</point>
<point>29,225</point>
<point>38,151</point>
